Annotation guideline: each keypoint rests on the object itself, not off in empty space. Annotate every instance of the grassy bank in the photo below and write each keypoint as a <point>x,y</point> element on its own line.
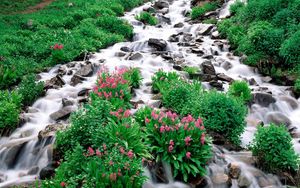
<point>59,33</point>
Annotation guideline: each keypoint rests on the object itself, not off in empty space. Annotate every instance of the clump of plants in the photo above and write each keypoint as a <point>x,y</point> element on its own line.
<point>199,11</point>
<point>147,18</point>
<point>133,75</point>
<point>191,70</point>
<point>224,115</point>
<point>10,107</point>
<point>30,90</point>
<point>273,148</point>
<point>181,142</point>
<point>161,78</point>
<point>241,90</point>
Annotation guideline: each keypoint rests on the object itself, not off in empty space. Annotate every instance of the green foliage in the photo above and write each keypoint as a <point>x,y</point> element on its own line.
<point>182,143</point>
<point>290,49</point>
<point>191,70</point>
<point>147,18</point>
<point>142,114</point>
<point>10,106</point>
<point>297,85</point>
<point>8,7</point>
<point>241,90</point>
<point>210,21</point>
<point>133,75</point>
<point>223,114</point>
<point>273,147</point>
<point>161,78</point>
<point>30,90</point>
<point>201,10</point>
<point>235,7</point>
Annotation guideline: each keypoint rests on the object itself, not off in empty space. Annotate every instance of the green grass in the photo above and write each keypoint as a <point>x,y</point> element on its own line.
<point>147,18</point>
<point>201,10</point>
<point>8,6</point>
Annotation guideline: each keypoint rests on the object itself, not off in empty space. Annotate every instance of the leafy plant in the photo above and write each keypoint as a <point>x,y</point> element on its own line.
<point>161,78</point>
<point>142,114</point>
<point>182,143</point>
<point>30,90</point>
<point>201,10</point>
<point>241,90</point>
<point>297,85</point>
<point>133,75</point>
<point>147,18</point>
<point>191,70</point>
<point>223,114</point>
<point>290,49</point>
<point>273,147</point>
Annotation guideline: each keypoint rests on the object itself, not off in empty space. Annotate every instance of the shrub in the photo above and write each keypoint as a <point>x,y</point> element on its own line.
<point>133,75</point>
<point>147,18</point>
<point>273,147</point>
<point>30,90</point>
<point>210,21</point>
<point>142,114</point>
<point>290,49</point>
<point>10,106</point>
<point>191,70</point>
<point>201,10</point>
<point>182,143</point>
<point>223,114</point>
<point>113,87</point>
<point>297,85</point>
<point>234,8</point>
<point>241,90</point>
<point>160,78</point>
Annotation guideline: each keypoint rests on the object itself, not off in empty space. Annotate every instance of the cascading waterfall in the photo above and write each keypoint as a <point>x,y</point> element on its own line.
<point>25,152</point>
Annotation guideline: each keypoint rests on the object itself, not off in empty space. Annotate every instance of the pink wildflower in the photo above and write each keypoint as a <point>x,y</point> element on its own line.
<point>171,142</point>
<point>162,129</point>
<point>130,154</point>
<point>147,120</point>
<point>187,140</point>
<point>127,113</point>
<point>113,177</point>
<point>202,138</point>
<point>63,184</point>
<point>188,155</point>
<point>91,151</point>
<point>170,149</point>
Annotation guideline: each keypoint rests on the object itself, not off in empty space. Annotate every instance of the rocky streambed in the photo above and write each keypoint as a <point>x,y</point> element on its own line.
<point>176,42</point>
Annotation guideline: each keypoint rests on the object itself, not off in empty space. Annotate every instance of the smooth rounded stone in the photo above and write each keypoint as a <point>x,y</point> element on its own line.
<point>263,99</point>
<point>208,57</point>
<point>120,54</point>
<point>71,64</point>
<point>47,172</point>
<point>226,65</point>
<point>223,77</point>
<point>135,56</point>
<point>161,4</point>
<point>177,67</point>
<point>217,85</point>
<point>197,51</point>
<point>155,104</point>
<point>55,81</point>
<point>3,177</point>
<point>234,170</point>
<point>215,35</point>
<point>278,118</point>
<point>219,44</point>
<point>252,82</point>
<point>220,179</point>
<point>263,182</point>
<point>70,72</point>
<point>32,110</point>
<point>66,102</point>
<point>164,19</point>
<point>62,70</point>
<point>27,133</point>
<point>205,29</point>
<point>159,44</point>
<point>50,130</point>
<point>244,181</point>
<point>266,79</point>
<point>199,39</point>
<point>208,68</point>
<point>84,92</point>
<point>76,79</point>
<point>86,71</point>
<point>12,154</point>
<point>173,38</point>
<point>179,25</point>
<point>291,101</point>
<point>126,49</point>
<point>33,170</point>
<point>63,113</point>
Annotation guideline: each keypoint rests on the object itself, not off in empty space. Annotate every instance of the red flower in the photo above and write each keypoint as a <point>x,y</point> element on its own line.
<point>98,153</point>
<point>202,138</point>
<point>188,155</point>
<point>127,113</point>
<point>91,151</point>
<point>187,140</point>
<point>147,120</point>
<point>63,184</point>
<point>113,177</point>
<point>170,149</point>
<point>122,150</point>
<point>130,154</point>
<point>171,143</point>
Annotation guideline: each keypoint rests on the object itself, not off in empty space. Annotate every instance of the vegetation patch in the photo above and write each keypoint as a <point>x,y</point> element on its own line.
<point>147,18</point>
<point>199,11</point>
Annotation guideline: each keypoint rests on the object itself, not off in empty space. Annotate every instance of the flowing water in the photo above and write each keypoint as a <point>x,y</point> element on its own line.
<point>23,154</point>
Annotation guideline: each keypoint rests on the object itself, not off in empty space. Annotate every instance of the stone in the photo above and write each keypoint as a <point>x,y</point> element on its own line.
<point>234,170</point>
<point>177,67</point>
<point>226,65</point>
<point>83,92</point>
<point>205,29</point>
<point>12,154</point>
<point>50,130</point>
<point>2,177</point>
<point>126,49</point>
<point>217,85</point>
<point>208,77</point>
<point>263,99</point>
<point>47,172</point>
<point>208,57</point>
<point>199,39</point>
<point>197,51</point>
<point>252,82</point>
<point>164,19</point>
<point>244,181</point>
<point>173,38</point>
<point>86,71</point>
<point>55,81</point>
<point>219,179</point>
<point>120,54</point>
<point>76,79</point>
<point>208,68</point>
<point>266,79</point>
<point>159,44</point>
<point>278,118</point>
<point>292,102</point>
<point>161,4</point>
<point>179,25</point>
<point>135,56</point>
<point>62,113</point>
<point>32,110</point>
<point>66,102</point>
<point>223,77</point>
<point>215,35</point>
<point>220,45</point>
<point>62,71</point>
<point>155,104</point>
<point>33,170</point>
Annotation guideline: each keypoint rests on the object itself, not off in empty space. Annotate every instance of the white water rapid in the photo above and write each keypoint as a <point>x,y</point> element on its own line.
<point>23,154</point>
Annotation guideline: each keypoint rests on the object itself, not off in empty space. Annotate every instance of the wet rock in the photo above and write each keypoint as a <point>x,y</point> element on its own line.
<point>32,110</point>
<point>208,57</point>
<point>179,25</point>
<point>173,38</point>
<point>161,4</point>
<point>220,179</point>
<point>50,130</point>
<point>223,77</point>
<point>164,19</point>
<point>278,118</point>
<point>208,77</point>
<point>136,56</point>
<point>62,71</point>
<point>120,54</point>
<point>252,82</point>
<point>66,102</point>
<point>55,81</point>
<point>33,170</point>
<point>197,51</point>
<point>227,65</point>
<point>293,103</point>
<point>125,49</point>
<point>12,154</point>
<point>263,99</point>
<point>47,172</point>
<point>156,104</point>
<point>234,170</point>
<point>2,178</point>
<point>159,44</point>
<point>83,92</point>
<point>215,35</point>
<point>187,37</point>
<point>199,39</point>
<point>205,29</point>
<point>86,70</point>
<point>208,68</point>
<point>177,67</point>
<point>76,79</point>
<point>217,85</point>
<point>244,181</point>
<point>70,72</point>
<point>266,79</point>
<point>62,113</point>
<point>167,56</point>
<point>220,45</point>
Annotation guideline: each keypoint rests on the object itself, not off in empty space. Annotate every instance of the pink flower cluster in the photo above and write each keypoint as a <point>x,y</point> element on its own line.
<point>121,113</point>
<point>171,146</point>
<point>57,47</point>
